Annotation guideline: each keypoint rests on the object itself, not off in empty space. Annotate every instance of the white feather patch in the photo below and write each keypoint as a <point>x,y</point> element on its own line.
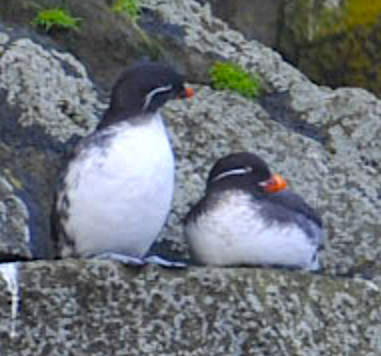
<point>152,93</point>
<point>233,233</point>
<point>120,195</point>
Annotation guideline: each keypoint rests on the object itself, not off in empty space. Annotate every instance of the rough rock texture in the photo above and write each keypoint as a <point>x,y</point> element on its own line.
<point>256,19</point>
<point>48,87</point>
<point>335,43</point>
<point>101,308</point>
<point>106,42</point>
<point>202,33</point>
<point>46,97</point>
<point>14,223</point>
<point>331,135</point>
<point>323,140</point>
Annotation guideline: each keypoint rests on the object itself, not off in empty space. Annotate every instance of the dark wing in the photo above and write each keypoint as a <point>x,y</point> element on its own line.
<point>289,207</point>
<point>59,211</point>
<point>61,204</point>
<point>295,203</point>
<point>207,202</point>
<point>195,212</point>
<point>59,215</point>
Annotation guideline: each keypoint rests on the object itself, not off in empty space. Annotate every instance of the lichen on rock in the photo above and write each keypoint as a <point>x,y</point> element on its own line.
<point>101,307</point>
<point>51,89</point>
<point>197,311</point>
<point>336,175</point>
<point>14,220</point>
<point>334,43</point>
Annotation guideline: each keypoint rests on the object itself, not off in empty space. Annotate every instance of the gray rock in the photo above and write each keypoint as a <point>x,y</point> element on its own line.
<point>326,142</point>
<point>14,224</point>
<point>334,42</point>
<point>299,125</point>
<point>214,124</point>
<point>106,42</point>
<point>207,35</point>
<point>328,134</point>
<point>255,19</point>
<point>50,88</point>
<point>101,308</point>
<point>336,167</point>
<point>46,98</point>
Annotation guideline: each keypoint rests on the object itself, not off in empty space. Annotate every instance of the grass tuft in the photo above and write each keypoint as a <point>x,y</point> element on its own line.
<point>56,18</point>
<point>231,76</point>
<point>129,7</point>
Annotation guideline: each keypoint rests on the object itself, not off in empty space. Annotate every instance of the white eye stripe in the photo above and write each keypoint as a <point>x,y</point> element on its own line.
<point>153,92</point>
<point>233,172</point>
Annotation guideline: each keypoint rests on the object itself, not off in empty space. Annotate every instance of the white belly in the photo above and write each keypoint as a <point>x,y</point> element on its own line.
<point>234,234</point>
<point>120,197</point>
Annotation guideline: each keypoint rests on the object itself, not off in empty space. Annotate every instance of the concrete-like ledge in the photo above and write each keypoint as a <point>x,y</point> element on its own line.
<point>78,307</point>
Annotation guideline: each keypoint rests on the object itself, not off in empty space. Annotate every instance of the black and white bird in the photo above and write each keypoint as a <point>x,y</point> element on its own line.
<point>248,217</point>
<point>115,195</point>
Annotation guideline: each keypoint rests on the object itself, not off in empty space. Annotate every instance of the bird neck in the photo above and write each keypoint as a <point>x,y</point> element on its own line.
<point>111,118</point>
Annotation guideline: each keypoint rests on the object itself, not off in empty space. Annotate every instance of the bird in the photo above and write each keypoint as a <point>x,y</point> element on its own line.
<point>248,217</point>
<point>114,196</point>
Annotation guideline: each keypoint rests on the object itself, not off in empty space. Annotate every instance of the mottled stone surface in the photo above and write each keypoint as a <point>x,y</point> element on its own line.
<point>256,19</point>
<point>205,34</point>
<point>334,43</point>
<point>105,42</point>
<point>101,308</point>
<point>324,141</point>
<point>14,220</point>
<point>50,88</point>
<point>46,98</point>
<point>214,124</point>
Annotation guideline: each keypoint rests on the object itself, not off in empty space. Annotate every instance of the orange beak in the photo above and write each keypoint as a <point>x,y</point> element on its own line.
<point>188,93</point>
<point>275,184</point>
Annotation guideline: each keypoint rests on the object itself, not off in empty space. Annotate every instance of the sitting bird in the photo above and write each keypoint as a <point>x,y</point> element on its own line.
<point>248,217</point>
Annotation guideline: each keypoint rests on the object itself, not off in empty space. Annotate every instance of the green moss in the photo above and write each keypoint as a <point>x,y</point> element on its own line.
<point>317,37</point>
<point>360,12</point>
<point>129,7</point>
<point>56,18</point>
<point>233,77</point>
<point>312,20</point>
<point>352,14</point>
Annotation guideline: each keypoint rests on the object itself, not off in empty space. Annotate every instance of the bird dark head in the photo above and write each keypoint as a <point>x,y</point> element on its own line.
<point>245,170</point>
<point>143,89</point>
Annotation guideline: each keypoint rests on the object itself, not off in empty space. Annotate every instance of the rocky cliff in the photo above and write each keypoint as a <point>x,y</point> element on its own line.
<point>326,142</point>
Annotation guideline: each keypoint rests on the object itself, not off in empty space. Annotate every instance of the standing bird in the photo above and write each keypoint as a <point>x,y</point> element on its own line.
<point>115,195</point>
<point>248,217</point>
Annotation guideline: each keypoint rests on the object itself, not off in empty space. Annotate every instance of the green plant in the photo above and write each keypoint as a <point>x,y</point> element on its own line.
<point>231,76</point>
<point>129,7</point>
<point>58,18</point>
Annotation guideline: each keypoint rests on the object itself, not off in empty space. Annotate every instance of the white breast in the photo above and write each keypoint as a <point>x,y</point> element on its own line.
<point>120,195</point>
<point>233,233</point>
